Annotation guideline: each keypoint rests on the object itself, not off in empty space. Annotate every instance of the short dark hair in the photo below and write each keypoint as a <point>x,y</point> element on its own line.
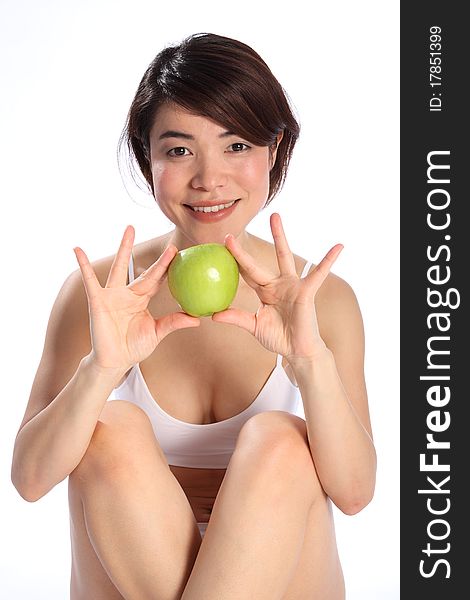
<point>224,80</point>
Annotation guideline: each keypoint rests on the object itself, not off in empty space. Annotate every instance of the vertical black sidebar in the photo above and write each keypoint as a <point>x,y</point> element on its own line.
<point>435,319</point>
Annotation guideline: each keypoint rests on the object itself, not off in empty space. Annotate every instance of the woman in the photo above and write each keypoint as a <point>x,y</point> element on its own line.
<point>200,428</point>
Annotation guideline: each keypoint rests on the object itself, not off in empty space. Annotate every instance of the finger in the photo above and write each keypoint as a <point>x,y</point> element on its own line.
<point>174,321</point>
<point>149,281</point>
<point>251,272</point>
<point>320,272</point>
<point>234,316</point>
<point>285,258</point>
<point>90,281</point>
<point>117,276</point>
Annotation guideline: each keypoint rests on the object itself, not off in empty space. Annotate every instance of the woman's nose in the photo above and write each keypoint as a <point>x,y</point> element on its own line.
<point>210,174</point>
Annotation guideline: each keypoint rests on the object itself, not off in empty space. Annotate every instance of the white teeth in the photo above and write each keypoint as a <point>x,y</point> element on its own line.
<point>212,208</point>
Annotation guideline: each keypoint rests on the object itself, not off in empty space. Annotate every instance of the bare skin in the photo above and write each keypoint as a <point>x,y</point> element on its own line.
<point>124,436</point>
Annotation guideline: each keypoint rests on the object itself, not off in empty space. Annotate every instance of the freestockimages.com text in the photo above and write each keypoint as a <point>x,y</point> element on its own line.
<point>441,300</point>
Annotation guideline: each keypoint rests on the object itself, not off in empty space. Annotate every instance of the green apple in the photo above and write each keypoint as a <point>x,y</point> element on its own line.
<point>203,279</point>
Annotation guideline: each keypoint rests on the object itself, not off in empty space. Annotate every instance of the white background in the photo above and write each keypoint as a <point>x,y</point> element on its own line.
<point>69,71</point>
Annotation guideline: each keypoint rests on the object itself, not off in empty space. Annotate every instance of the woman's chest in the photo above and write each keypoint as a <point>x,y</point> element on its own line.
<point>203,377</point>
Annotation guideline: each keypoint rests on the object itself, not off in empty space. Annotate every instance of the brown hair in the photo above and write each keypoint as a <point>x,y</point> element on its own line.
<point>224,80</point>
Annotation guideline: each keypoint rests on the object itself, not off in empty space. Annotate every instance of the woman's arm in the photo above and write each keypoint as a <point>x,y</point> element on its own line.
<point>67,395</point>
<point>49,446</point>
<point>99,328</point>
<point>335,402</point>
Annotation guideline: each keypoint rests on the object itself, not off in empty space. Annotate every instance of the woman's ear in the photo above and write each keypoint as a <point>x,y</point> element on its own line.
<point>274,147</point>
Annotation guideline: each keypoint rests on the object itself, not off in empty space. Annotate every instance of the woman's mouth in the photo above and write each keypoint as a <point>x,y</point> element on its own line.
<point>212,213</point>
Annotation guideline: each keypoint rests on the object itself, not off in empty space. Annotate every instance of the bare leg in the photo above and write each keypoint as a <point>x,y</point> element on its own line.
<point>88,577</point>
<point>138,520</point>
<point>256,532</point>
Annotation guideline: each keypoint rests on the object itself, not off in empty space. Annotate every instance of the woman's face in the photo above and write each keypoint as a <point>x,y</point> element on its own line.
<point>197,164</point>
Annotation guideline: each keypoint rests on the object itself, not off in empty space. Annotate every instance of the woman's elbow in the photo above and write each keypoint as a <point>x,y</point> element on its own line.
<point>356,499</point>
<point>24,491</point>
<point>354,505</point>
<point>24,487</point>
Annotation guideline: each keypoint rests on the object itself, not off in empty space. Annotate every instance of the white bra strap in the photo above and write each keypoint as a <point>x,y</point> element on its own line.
<point>131,269</point>
<point>307,266</point>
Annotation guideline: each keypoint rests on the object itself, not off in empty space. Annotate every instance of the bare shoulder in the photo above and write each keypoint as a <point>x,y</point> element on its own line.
<point>338,309</point>
<point>335,293</point>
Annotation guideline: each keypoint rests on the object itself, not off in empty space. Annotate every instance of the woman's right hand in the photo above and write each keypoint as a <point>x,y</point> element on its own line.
<point>123,332</point>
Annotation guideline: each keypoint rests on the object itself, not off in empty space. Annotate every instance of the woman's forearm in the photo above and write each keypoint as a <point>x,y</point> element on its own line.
<point>49,446</point>
<point>342,449</point>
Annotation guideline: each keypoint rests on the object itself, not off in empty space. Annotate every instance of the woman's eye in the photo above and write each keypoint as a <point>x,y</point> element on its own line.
<point>239,146</point>
<point>179,151</point>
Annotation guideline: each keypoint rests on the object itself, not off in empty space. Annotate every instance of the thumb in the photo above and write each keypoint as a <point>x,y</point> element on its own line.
<point>174,321</point>
<point>237,317</point>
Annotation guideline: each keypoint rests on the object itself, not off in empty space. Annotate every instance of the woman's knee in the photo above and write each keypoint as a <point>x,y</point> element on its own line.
<point>123,438</point>
<point>275,434</point>
<point>277,442</point>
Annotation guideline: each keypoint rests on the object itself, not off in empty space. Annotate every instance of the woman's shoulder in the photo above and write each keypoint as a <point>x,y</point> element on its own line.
<point>338,311</point>
<point>335,297</point>
<point>335,294</point>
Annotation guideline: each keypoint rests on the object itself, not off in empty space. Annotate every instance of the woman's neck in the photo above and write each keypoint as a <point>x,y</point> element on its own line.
<point>181,241</point>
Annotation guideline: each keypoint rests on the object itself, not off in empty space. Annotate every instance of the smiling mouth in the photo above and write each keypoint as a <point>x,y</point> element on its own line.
<point>212,209</point>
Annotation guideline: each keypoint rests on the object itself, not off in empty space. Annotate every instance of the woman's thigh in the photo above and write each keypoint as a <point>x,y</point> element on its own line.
<point>88,577</point>
<point>123,432</point>
<point>318,573</point>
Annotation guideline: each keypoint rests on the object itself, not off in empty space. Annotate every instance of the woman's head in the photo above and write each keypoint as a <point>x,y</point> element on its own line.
<point>221,79</point>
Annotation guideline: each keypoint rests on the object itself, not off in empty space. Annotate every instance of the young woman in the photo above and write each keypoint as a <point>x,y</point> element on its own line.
<point>166,423</point>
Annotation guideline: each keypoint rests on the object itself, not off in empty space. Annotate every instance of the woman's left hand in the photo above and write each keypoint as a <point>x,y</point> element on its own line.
<point>286,321</point>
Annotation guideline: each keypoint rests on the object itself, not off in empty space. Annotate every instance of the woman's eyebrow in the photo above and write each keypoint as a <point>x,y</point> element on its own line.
<point>186,136</point>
